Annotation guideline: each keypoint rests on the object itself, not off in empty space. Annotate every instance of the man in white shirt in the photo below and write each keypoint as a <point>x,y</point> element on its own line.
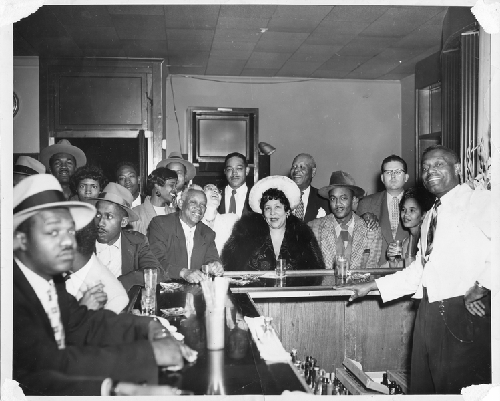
<point>382,208</point>
<point>452,274</point>
<point>312,205</point>
<point>89,281</point>
<point>235,194</point>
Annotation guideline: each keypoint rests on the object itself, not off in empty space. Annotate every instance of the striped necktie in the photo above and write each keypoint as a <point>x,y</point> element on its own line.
<point>232,202</point>
<point>432,230</point>
<point>299,210</point>
<point>394,216</point>
<point>55,316</point>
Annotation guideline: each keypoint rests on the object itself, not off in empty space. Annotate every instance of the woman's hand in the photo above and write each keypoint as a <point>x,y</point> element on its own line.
<point>392,251</point>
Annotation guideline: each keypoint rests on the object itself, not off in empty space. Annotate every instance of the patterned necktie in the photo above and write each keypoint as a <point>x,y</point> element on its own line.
<point>232,202</point>
<point>299,210</point>
<point>432,230</point>
<point>343,241</point>
<point>394,216</point>
<point>55,316</point>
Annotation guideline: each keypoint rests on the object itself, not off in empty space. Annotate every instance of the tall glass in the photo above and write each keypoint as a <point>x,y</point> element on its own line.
<point>280,267</point>
<point>148,302</point>
<point>150,279</point>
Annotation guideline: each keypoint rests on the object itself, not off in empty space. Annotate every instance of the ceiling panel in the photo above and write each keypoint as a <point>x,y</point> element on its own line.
<point>267,60</point>
<point>230,54</point>
<point>422,37</point>
<point>358,13</point>
<point>324,38</point>
<point>135,10</point>
<point>292,25</point>
<point>342,27</point>
<point>242,23</point>
<point>247,11</point>
<point>307,12</point>
<point>186,70</point>
<point>187,12</point>
<point>86,16</point>
<point>237,35</point>
<point>310,57</point>
<point>94,37</point>
<point>146,48</point>
<point>277,46</point>
<point>225,67</point>
<point>344,63</point>
<point>298,69</point>
<point>232,46</point>
<point>133,27</point>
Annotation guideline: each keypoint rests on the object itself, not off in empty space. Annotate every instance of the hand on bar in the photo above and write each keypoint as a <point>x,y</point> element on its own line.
<point>360,290</point>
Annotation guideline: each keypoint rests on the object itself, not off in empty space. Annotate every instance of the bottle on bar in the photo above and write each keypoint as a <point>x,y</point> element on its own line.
<point>392,387</point>
<point>329,385</point>
<point>384,380</point>
<point>314,379</point>
<point>336,387</point>
<point>293,354</point>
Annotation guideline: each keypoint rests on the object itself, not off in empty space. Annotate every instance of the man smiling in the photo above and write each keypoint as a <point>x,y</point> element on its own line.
<point>127,176</point>
<point>181,242</point>
<point>235,194</point>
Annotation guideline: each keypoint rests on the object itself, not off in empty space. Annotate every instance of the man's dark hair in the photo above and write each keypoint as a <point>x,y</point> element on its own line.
<point>128,164</point>
<point>158,177</point>
<point>424,198</point>
<point>393,158</point>
<point>236,154</point>
<point>52,158</point>
<point>88,171</point>
<point>454,157</point>
<point>274,194</point>
<point>86,238</point>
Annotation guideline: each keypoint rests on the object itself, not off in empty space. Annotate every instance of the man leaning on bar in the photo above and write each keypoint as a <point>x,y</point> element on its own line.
<point>452,275</point>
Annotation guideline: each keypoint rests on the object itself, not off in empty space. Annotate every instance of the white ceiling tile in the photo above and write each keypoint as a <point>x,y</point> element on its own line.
<point>247,11</point>
<point>307,12</point>
<point>242,23</point>
<point>356,13</point>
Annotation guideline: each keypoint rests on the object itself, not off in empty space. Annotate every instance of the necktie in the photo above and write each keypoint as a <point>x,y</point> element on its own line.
<point>343,241</point>
<point>394,216</point>
<point>299,210</point>
<point>232,202</point>
<point>55,316</point>
<point>432,230</point>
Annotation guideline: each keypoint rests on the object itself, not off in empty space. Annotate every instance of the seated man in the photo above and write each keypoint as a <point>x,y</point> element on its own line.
<point>51,332</point>
<point>125,253</point>
<point>90,282</point>
<point>343,232</point>
<point>181,242</point>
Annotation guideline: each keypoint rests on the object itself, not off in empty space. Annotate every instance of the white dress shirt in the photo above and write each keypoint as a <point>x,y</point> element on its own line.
<point>223,226</point>
<point>461,253</point>
<point>240,197</point>
<point>305,198</point>
<point>111,256</point>
<point>189,234</point>
<point>136,201</point>
<point>92,273</point>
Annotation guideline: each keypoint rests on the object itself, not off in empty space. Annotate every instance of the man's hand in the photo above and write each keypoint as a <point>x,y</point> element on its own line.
<point>192,276</point>
<point>360,290</point>
<point>215,268</point>
<point>392,251</point>
<point>94,298</point>
<point>371,221</point>
<point>156,330</point>
<point>167,352</point>
<point>472,300</point>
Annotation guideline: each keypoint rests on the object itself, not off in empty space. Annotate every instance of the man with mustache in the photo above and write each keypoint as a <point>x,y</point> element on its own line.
<point>182,243</point>
<point>343,232</point>
<point>62,159</point>
<point>312,206</point>
<point>452,277</point>
<point>125,253</point>
<point>235,194</point>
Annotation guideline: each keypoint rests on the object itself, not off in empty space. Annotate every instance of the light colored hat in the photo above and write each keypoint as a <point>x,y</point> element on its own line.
<point>42,191</point>
<point>63,146</point>
<point>341,179</point>
<point>26,165</point>
<point>284,184</point>
<point>120,196</point>
<point>176,157</point>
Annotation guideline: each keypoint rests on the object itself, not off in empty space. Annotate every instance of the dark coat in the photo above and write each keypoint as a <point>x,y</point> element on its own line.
<point>250,233</point>
<point>98,343</point>
<point>222,206</point>
<point>314,203</point>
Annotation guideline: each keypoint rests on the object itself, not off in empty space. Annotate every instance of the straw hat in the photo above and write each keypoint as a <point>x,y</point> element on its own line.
<point>63,146</point>
<point>42,191</point>
<point>341,179</point>
<point>176,157</point>
<point>26,165</point>
<point>120,196</point>
<point>284,184</point>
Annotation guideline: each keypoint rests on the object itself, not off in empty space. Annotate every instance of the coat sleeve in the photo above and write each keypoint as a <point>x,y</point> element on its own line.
<point>160,243</point>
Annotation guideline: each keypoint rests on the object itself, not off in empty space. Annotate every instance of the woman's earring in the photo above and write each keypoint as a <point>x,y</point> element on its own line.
<point>158,193</point>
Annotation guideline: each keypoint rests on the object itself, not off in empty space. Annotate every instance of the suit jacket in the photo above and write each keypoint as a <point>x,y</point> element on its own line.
<point>314,203</point>
<point>98,343</point>
<point>168,244</point>
<point>222,206</point>
<point>146,212</point>
<point>365,247</point>
<point>137,256</point>
<point>377,204</point>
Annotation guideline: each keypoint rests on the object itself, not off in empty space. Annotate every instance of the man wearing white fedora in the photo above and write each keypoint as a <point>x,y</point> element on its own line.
<point>62,159</point>
<point>51,332</point>
<point>26,166</point>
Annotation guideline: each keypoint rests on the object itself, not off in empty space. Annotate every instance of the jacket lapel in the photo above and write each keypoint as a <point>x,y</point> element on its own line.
<point>128,254</point>
<point>385,224</point>
<point>198,246</point>
<point>181,241</point>
<point>311,205</point>
<point>328,241</point>
<point>358,239</point>
<point>222,206</point>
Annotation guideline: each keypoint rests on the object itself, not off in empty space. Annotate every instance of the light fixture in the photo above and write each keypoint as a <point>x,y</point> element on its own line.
<point>266,149</point>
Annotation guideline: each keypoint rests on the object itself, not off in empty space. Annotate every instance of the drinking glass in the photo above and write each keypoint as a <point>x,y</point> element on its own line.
<point>150,279</point>
<point>148,302</point>
<point>280,267</point>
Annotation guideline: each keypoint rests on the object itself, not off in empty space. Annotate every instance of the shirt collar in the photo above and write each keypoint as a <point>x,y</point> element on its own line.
<point>239,190</point>
<point>306,191</point>
<point>186,228</point>
<point>400,196</point>
<point>38,283</point>
<point>350,224</point>
<point>117,244</point>
<point>449,195</point>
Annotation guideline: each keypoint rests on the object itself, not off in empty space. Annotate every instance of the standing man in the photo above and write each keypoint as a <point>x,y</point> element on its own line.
<point>342,232</point>
<point>452,274</point>
<point>62,159</point>
<point>125,253</point>
<point>127,175</point>
<point>181,242</point>
<point>235,194</point>
<point>383,207</point>
<point>26,166</point>
<point>312,206</point>
<point>185,170</point>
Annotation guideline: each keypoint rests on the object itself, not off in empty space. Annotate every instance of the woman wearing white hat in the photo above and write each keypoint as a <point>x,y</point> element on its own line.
<point>259,239</point>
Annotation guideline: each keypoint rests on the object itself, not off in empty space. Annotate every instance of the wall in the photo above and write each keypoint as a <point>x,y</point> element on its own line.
<point>408,140</point>
<point>26,122</point>
<point>345,124</point>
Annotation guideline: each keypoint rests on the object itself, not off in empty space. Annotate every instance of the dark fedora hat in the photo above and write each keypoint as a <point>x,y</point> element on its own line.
<point>341,179</point>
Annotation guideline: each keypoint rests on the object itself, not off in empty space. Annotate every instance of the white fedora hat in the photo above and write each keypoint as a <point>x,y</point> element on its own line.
<point>284,184</point>
<point>42,191</point>
<point>63,146</point>
<point>26,165</point>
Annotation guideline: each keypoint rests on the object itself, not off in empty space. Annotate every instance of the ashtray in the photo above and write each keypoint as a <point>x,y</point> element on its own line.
<point>243,279</point>
<point>173,311</point>
<point>170,287</point>
<point>358,277</point>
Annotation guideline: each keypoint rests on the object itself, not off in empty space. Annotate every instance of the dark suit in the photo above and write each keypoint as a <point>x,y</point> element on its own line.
<point>98,343</point>
<point>168,244</point>
<point>222,206</point>
<point>377,204</point>
<point>314,203</point>
<point>136,256</point>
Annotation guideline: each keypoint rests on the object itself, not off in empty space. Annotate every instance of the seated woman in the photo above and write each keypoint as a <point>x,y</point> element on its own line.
<point>259,239</point>
<point>414,204</point>
<point>160,191</point>
<point>87,182</point>
<point>222,224</point>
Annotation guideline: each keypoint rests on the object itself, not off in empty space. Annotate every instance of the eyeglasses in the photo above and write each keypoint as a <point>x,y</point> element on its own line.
<point>397,173</point>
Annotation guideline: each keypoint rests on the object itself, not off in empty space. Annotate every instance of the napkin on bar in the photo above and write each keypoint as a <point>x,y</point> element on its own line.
<point>171,329</point>
<point>267,342</point>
